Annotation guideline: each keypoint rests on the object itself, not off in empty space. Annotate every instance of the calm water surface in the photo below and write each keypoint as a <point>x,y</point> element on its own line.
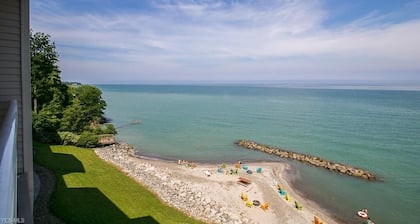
<point>377,130</point>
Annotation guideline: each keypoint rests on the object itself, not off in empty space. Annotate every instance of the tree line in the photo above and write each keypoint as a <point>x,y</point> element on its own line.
<point>63,113</point>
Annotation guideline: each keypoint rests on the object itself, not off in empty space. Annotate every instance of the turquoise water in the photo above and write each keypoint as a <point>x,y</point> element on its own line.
<point>373,129</point>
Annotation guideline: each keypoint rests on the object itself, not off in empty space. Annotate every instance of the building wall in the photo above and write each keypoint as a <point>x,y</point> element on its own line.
<point>10,63</point>
<point>15,77</point>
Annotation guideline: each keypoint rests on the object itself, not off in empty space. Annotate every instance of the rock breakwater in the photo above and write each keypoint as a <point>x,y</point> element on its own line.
<point>309,159</point>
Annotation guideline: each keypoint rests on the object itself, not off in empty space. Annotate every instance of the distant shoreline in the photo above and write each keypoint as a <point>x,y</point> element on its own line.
<point>294,85</point>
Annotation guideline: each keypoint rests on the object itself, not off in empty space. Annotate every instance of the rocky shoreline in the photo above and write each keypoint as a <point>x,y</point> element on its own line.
<point>175,191</point>
<point>216,198</point>
<point>310,160</point>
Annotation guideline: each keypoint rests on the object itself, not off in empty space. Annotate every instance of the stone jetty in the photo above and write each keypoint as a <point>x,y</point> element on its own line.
<point>309,159</point>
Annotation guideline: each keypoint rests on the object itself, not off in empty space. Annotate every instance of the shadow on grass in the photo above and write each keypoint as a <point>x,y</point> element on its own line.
<point>80,205</point>
<point>96,208</point>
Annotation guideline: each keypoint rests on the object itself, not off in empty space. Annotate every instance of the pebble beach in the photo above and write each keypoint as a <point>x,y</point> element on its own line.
<point>209,192</point>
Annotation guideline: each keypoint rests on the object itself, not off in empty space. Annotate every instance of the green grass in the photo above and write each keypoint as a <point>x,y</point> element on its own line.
<point>88,190</point>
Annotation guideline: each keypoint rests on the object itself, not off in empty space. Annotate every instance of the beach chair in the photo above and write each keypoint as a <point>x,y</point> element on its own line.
<point>298,206</point>
<point>282,192</point>
<point>248,204</point>
<point>259,170</point>
<point>288,198</point>
<point>245,167</point>
<point>244,181</point>
<point>317,220</point>
<point>244,197</point>
<point>264,206</point>
<point>238,166</point>
<point>219,170</point>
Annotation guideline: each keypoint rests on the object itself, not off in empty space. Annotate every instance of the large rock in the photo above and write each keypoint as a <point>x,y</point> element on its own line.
<point>308,159</point>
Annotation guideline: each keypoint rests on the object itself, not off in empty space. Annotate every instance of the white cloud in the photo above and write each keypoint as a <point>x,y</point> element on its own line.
<point>222,40</point>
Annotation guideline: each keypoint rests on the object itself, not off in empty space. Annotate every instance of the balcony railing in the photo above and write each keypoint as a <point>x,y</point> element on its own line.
<point>8,163</point>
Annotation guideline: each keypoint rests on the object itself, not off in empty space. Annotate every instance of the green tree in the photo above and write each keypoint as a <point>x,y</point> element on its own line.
<point>90,98</point>
<point>57,106</point>
<point>49,94</point>
<point>45,75</point>
<point>45,125</point>
<point>73,120</point>
<point>87,108</point>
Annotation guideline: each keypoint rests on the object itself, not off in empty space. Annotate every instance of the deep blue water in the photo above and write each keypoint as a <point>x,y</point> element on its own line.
<point>374,129</point>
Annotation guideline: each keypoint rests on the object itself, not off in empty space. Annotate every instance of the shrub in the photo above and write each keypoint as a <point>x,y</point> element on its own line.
<point>69,138</point>
<point>87,140</point>
<point>104,129</point>
<point>44,127</point>
<point>109,129</point>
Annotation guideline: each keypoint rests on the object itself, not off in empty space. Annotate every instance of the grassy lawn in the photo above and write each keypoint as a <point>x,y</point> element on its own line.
<point>88,190</point>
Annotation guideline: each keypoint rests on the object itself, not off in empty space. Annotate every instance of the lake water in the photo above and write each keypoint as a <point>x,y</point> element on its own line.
<point>377,130</point>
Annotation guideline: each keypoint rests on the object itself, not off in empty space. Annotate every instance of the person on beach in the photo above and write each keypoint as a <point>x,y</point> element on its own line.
<point>365,211</point>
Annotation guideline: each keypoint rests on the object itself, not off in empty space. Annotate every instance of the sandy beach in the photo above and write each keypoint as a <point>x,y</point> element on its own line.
<point>203,192</point>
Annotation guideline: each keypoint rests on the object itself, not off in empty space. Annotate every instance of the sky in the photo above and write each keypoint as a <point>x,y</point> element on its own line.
<point>129,41</point>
